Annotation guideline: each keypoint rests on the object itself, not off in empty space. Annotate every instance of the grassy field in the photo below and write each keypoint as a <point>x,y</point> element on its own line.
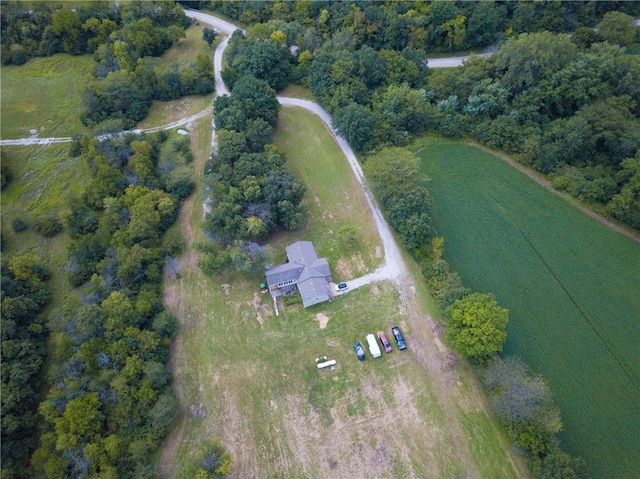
<point>44,178</point>
<point>297,91</point>
<point>333,197</point>
<point>572,288</point>
<point>45,94</point>
<point>248,376</point>
<point>186,51</point>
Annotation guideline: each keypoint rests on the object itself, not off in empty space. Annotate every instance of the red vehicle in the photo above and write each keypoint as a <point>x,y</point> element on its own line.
<point>385,342</point>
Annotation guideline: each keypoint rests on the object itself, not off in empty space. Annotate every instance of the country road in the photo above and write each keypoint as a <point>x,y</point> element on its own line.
<point>227,28</point>
<point>451,62</point>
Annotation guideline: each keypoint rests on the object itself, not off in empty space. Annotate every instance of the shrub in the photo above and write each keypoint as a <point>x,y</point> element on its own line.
<point>5,175</point>
<point>522,402</point>
<point>48,225</point>
<point>18,225</point>
<point>476,326</point>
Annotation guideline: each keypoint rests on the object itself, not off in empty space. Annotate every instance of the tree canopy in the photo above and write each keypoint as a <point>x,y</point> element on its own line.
<point>110,403</point>
<point>476,326</point>
<point>548,97</point>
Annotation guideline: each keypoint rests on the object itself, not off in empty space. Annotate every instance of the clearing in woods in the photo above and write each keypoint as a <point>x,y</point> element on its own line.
<point>249,377</point>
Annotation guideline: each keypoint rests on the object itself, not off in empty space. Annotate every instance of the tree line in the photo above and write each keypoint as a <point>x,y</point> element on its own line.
<point>44,28</point>
<point>475,324</point>
<point>565,108</point>
<point>24,333</point>
<point>438,26</point>
<point>109,403</point>
<point>565,105</point>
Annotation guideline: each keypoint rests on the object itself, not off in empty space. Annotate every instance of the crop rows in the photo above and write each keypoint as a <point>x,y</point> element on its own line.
<point>570,283</point>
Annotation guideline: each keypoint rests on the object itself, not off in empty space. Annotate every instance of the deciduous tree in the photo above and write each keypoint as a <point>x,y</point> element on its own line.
<point>476,326</point>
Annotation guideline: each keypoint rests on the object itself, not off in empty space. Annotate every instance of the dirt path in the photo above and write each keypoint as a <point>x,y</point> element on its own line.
<point>546,184</point>
<point>171,298</point>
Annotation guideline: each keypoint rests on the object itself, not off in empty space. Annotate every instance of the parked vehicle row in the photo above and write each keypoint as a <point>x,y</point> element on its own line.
<point>372,344</point>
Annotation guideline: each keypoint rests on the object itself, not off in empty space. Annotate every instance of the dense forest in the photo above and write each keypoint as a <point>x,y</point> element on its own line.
<point>104,402</point>
<point>560,93</point>
<point>125,42</point>
<point>110,403</point>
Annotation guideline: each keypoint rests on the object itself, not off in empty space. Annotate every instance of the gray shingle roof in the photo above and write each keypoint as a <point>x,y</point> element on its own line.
<point>309,272</point>
<point>283,272</point>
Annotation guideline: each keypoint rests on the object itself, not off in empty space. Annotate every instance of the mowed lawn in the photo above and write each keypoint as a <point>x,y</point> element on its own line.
<point>571,284</point>
<point>44,94</point>
<point>334,197</point>
<point>249,377</point>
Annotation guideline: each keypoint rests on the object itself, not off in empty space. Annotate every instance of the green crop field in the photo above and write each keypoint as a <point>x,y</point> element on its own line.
<point>572,286</point>
<point>45,94</point>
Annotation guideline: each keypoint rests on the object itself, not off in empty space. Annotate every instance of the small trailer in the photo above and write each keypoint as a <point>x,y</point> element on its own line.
<point>326,364</point>
<point>374,349</point>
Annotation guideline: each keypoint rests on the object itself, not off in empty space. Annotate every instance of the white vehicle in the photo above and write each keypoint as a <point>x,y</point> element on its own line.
<point>374,349</point>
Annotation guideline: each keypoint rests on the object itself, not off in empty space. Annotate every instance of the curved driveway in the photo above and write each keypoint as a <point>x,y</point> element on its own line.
<point>393,267</point>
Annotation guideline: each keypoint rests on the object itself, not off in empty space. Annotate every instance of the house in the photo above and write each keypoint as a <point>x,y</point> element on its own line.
<point>303,272</point>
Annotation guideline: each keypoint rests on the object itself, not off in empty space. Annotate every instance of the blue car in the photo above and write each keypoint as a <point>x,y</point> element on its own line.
<point>359,351</point>
<point>398,337</point>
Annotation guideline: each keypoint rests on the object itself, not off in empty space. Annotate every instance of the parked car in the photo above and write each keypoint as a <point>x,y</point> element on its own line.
<point>386,345</point>
<point>359,351</point>
<point>342,286</point>
<point>397,334</point>
<point>373,346</point>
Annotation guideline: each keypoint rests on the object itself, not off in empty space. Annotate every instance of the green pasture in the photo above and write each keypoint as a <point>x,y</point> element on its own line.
<point>44,94</point>
<point>165,112</point>
<point>572,287</point>
<point>188,48</point>
<point>44,178</point>
<point>249,377</point>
